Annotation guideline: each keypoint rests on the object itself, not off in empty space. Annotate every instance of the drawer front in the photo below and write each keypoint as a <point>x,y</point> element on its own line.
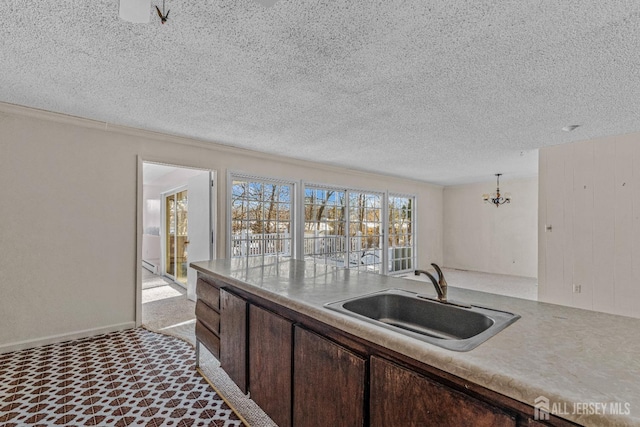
<point>208,338</point>
<point>209,317</point>
<point>208,293</point>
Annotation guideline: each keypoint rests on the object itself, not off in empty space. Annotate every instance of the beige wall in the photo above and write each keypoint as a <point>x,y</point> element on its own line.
<point>484,238</point>
<point>590,225</point>
<point>70,231</point>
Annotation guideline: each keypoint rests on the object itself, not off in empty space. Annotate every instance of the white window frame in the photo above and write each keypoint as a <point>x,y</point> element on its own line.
<point>413,232</point>
<point>383,223</point>
<point>231,175</point>
<point>302,210</point>
<point>384,195</point>
<point>298,190</point>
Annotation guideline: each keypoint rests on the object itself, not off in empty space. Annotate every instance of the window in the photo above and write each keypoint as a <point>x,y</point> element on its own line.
<point>261,217</point>
<point>400,225</point>
<point>365,231</point>
<point>356,229</point>
<point>325,226</point>
<point>343,228</point>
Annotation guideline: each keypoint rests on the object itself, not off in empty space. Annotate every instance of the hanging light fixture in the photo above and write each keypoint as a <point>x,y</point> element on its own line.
<point>496,198</point>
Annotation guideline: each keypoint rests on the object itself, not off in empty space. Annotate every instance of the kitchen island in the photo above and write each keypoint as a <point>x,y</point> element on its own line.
<point>579,365</point>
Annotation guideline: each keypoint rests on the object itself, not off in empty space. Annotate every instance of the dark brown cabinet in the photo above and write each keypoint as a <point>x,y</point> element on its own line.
<point>401,397</point>
<point>270,365</point>
<point>304,373</point>
<point>328,383</point>
<point>233,337</point>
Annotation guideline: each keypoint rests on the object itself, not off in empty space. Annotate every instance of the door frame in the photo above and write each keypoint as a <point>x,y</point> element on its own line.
<point>139,225</point>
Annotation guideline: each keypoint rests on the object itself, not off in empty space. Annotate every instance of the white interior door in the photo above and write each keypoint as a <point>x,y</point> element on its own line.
<point>199,226</point>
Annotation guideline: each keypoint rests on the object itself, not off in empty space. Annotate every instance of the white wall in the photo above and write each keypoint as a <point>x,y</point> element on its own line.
<point>484,238</point>
<point>151,208</point>
<point>590,197</point>
<point>151,223</point>
<point>70,231</point>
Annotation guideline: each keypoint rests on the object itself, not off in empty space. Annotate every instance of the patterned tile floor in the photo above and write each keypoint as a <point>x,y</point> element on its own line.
<point>129,378</point>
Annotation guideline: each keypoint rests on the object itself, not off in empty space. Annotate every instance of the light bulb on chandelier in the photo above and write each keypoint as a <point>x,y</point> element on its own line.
<point>496,198</point>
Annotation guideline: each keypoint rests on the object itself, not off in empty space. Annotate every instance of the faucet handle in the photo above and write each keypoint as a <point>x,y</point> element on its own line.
<point>441,279</point>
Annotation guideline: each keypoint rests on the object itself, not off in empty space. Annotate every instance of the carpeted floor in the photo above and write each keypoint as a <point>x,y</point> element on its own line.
<point>134,377</point>
<point>150,280</point>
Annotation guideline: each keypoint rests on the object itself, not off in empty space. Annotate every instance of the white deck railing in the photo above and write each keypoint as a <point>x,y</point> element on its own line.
<point>320,246</point>
<point>248,244</point>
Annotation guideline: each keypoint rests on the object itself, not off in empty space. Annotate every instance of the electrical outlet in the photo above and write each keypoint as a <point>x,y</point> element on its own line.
<point>577,288</point>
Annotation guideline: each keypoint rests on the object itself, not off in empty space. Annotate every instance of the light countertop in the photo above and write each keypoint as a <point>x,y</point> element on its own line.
<point>586,363</point>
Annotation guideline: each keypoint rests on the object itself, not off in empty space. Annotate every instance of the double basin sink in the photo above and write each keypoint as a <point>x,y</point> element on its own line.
<point>454,327</point>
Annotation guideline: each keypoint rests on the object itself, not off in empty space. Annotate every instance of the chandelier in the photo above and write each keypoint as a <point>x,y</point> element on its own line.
<point>496,198</point>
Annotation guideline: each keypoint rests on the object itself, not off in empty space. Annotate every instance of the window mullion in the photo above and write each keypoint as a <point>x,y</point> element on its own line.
<point>347,229</point>
<point>385,234</point>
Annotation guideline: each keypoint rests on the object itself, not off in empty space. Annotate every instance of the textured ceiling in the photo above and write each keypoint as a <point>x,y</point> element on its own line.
<point>442,91</point>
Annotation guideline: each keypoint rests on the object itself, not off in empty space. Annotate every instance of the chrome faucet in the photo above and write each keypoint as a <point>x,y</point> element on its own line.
<point>440,284</point>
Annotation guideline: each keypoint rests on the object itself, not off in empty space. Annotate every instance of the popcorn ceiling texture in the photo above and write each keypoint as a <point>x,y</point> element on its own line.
<point>442,91</point>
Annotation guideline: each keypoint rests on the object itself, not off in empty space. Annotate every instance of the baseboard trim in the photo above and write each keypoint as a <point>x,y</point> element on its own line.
<point>150,266</point>
<point>53,339</point>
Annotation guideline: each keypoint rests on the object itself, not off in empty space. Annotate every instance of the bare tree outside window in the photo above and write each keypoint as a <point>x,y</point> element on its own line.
<point>400,232</point>
<point>365,231</point>
<point>342,228</point>
<point>260,218</point>
<point>324,226</point>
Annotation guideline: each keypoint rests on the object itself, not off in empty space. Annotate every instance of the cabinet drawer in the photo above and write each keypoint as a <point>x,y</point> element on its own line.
<point>208,338</point>
<point>208,293</point>
<point>208,316</point>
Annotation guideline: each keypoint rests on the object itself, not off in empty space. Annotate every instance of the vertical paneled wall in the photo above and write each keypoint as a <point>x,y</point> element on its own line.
<point>589,229</point>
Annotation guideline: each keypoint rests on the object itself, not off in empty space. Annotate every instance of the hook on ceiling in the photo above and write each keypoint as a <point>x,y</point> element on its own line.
<point>163,16</point>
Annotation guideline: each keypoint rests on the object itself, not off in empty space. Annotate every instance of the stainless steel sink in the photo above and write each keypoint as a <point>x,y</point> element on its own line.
<point>448,326</point>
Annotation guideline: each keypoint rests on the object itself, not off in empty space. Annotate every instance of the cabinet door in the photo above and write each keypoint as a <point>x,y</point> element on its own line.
<point>233,338</point>
<point>270,344</point>
<point>400,397</point>
<point>328,383</point>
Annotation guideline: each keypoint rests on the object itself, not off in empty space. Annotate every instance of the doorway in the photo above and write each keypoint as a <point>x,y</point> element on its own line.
<point>177,222</point>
